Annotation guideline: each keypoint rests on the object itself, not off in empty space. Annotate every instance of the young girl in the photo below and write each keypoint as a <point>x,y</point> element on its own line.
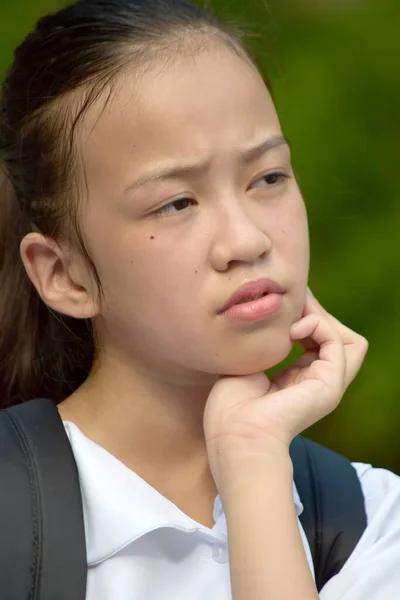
<point>148,190</point>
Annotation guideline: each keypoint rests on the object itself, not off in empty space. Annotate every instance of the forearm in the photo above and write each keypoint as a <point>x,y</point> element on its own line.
<point>267,559</point>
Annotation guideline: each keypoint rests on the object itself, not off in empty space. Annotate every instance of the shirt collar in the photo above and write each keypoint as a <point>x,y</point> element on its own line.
<point>120,507</point>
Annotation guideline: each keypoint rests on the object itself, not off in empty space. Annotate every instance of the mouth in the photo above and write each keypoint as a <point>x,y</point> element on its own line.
<point>251,292</point>
<point>252,299</point>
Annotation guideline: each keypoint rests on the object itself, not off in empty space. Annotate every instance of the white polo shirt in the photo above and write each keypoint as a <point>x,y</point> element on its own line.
<point>141,546</point>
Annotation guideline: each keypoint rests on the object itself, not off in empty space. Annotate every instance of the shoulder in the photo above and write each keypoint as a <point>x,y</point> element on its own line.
<point>377,485</point>
<point>373,569</point>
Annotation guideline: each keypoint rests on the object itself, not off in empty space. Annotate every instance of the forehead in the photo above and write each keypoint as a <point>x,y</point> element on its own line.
<point>210,101</point>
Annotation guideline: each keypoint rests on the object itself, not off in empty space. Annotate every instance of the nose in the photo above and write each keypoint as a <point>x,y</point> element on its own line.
<point>238,237</point>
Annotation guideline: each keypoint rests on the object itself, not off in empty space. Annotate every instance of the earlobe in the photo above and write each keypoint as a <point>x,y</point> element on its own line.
<point>62,287</point>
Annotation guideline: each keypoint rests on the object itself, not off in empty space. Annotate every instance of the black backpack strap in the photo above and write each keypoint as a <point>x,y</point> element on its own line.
<point>42,538</point>
<point>334,516</point>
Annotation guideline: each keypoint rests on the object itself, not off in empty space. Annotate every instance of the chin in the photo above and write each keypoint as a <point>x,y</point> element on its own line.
<point>256,361</point>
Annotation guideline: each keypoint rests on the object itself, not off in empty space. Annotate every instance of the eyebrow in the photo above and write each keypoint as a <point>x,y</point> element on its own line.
<point>173,172</point>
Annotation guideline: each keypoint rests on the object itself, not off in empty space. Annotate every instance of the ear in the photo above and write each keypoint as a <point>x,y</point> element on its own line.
<point>64,286</point>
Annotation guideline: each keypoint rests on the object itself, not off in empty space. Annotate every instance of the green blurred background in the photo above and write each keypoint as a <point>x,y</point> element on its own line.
<point>335,71</point>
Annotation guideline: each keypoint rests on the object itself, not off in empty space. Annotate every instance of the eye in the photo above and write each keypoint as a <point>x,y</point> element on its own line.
<point>271,179</point>
<point>168,209</point>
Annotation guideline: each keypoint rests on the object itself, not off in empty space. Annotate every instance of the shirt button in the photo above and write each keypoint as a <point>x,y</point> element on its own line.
<point>220,554</point>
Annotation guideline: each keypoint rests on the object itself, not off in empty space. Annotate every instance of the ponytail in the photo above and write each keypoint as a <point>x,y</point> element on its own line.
<point>41,353</point>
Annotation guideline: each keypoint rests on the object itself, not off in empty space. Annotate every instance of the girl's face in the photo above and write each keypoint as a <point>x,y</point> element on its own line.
<point>181,213</point>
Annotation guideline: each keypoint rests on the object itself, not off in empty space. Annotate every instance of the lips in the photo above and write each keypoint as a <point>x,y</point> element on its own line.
<point>251,290</point>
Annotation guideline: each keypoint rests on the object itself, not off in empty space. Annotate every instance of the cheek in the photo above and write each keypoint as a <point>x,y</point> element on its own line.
<point>292,248</point>
<point>152,276</point>
<point>292,233</point>
<point>299,247</point>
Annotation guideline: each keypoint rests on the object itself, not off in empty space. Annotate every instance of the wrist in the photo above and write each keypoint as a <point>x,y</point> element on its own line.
<point>231,454</point>
<point>240,475</point>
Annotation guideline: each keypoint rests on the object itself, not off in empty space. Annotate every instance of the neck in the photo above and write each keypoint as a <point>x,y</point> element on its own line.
<point>147,420</point>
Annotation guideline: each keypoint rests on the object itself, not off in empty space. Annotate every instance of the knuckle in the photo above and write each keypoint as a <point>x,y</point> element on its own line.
<point>363,344</point>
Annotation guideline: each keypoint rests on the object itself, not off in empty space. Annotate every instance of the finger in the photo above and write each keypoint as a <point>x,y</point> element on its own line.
<point>355,353</point>
<point>288,376</point>
<point>305,360</point>
<point>325,337</point>
<point>312,306</point>
<point>355,345</point>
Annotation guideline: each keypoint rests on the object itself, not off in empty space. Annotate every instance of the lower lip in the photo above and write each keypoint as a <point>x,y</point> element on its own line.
<point>256,309</point>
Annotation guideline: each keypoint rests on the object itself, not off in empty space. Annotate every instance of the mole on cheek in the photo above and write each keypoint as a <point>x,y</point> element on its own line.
<point>152,237</point>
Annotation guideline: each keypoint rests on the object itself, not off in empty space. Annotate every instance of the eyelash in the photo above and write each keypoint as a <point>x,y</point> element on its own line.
<point>280,175</point>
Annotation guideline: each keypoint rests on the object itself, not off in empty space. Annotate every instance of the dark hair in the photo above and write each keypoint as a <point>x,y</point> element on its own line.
<point>82,47</point>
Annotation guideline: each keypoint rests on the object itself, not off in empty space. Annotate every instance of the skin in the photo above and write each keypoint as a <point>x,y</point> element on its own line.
<point>249,422</point>
<point>163,344</point>
<point>178,391</point>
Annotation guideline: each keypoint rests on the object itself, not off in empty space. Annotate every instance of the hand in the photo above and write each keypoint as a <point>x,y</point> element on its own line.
<point>253,415</point>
